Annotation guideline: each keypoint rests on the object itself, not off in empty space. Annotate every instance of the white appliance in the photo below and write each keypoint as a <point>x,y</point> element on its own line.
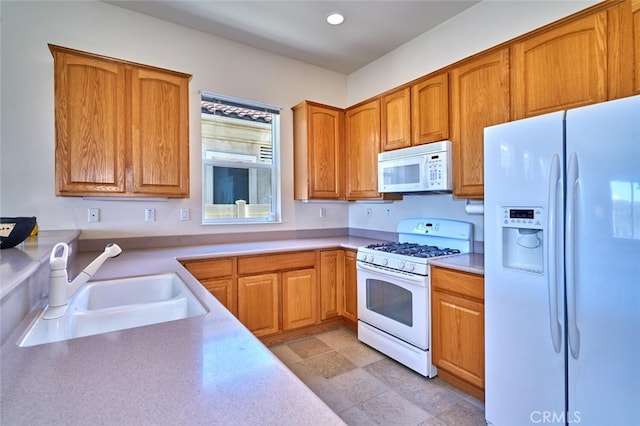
<point>394,291</point>
<point>421,168</point>
<point>562,267</point>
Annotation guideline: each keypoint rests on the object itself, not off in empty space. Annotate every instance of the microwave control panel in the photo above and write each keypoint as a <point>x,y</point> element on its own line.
<point>437,170</point>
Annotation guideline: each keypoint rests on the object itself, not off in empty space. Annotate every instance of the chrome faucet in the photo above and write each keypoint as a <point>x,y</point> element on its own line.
<point>60,289</point>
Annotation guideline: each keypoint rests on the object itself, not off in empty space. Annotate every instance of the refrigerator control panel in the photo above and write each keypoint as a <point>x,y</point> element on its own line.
<point>522,217</point>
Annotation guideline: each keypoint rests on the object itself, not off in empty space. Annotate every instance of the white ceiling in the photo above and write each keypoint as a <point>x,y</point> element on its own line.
<point>297,29</point>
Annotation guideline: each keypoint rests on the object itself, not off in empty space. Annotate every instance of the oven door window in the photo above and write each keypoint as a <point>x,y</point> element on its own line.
<point>390,300</point>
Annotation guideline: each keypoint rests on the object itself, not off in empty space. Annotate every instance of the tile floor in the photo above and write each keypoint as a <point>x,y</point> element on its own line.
<point>364,387</point>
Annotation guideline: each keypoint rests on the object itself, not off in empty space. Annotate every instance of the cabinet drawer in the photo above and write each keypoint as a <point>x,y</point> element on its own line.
<point>459,282</point>
<point>276,262</point>
<point>210,268</point>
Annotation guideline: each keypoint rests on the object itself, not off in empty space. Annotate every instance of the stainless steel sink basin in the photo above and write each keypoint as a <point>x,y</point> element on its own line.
<point>111,305</point>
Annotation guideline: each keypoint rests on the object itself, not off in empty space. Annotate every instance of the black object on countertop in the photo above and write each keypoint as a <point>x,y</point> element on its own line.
<point>14,230</point>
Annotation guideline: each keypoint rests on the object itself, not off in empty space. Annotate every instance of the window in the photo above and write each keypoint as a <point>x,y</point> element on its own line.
<point>240,173</point>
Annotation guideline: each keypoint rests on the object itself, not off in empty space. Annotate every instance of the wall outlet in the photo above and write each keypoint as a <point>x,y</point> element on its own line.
<point>368,212</point>
<point>387,214</point>
<point>323,212</point>
<point>149,215</point>
<point>93,215</point>
<point>184,214</point>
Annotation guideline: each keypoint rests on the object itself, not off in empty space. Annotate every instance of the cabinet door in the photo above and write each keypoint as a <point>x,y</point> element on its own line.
<point>396,120</point>
<point>458,336</point>
<point>350,286</point>
<point>90,125</point>
<point>635,37</point>
<point>160,135</point>
<point>258,303</point>
<point>218,276</point>
<point>331,283</point>
<point>561,68</point>
<point>225,291</point>
<point>299,301</point>
<point>430,109</point>
<point>457,313</point>
<point>623,28</point>
<point>362,129</point>
<point>479,98</point>
<point>318,151</point>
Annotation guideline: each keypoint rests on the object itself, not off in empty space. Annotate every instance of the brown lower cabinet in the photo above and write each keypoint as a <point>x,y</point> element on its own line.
<point>457,311</point>
<point>350,292</point>
<point>258,303</point>
<point>284,295</point>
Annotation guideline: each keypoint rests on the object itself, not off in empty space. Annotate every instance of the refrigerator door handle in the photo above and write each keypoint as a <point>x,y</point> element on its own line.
<point>552,259</point>
<point>573,191</point>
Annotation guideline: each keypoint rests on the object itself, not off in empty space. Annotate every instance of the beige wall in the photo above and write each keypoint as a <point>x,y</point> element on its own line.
<point>217,65</point>
<point>480,27</point>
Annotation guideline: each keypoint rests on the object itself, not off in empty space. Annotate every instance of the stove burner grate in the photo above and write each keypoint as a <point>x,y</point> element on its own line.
<point>413,249</point>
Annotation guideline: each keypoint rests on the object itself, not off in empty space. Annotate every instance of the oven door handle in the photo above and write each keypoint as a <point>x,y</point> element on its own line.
<point>412,279</point>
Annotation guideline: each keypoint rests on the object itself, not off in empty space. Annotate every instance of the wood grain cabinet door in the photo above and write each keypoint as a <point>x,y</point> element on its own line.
<point>258,303</point>
<point>635,36</point>
<point>562,68</point>
<point>90,124</point>
<point>350,286</point>
<point>160,133</point>
<point>430,109</point>
<point>299,301</point>
<point>225,291</point>
<point>458,337</point>
<point>395,125</point>
<point>362,132</point>
<point>318,147</point>
<point>479,98</point>
<point>457,311</point>
<point>331,283</point>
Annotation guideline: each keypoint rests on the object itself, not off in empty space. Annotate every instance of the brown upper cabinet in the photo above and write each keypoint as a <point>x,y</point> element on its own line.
<point>562,68</point>
<point>318,151</point>
<point>122,129</point>
<point>395,124</point>
<point>417,114</point>
<point>479,98</point>
<point>362,137</point>
<point>624,74</point>
<point>634,37</point>
<point>430,109</point>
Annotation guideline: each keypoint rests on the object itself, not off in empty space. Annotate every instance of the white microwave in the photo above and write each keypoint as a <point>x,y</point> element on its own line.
<point>422,168</point>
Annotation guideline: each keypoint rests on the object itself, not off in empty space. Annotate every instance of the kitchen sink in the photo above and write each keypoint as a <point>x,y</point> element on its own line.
<point>118,304</point>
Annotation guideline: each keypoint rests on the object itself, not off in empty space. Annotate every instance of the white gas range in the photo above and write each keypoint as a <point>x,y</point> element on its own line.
<point>394,290</point>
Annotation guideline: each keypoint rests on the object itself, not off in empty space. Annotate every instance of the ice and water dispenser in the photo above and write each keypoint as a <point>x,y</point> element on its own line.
<point>522,238</point>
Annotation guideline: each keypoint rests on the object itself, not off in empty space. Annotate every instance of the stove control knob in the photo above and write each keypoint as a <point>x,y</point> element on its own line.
<point>385,261</point>
<point>411,267</point>
<point>370,258</point>
<point>400,264</point>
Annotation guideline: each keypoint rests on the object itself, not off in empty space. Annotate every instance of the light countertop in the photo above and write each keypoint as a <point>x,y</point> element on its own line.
<point>473,263</point>
<point>202,370</point>
<point>207,369</point>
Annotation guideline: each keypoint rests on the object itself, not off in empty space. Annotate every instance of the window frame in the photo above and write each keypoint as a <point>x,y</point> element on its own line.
<point>275,215</point>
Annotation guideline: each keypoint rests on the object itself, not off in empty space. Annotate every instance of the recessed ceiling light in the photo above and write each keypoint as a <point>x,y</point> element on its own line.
<point>335,18</point>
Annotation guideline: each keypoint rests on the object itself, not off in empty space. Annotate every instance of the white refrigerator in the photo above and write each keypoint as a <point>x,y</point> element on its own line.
<point>562,267</point>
